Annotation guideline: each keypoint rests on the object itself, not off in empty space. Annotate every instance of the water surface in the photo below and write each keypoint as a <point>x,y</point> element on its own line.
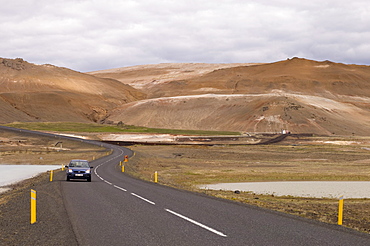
<point>329,189</point>
<point>10,174</point>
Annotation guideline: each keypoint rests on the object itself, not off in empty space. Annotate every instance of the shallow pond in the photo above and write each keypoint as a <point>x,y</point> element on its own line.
<point>10,174</point>
<point>319,189</point>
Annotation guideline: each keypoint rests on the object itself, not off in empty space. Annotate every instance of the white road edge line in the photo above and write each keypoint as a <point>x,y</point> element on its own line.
<point>119,188</point>
<point>197,223</point>
<point>143,198</point>
<point>108,182</point>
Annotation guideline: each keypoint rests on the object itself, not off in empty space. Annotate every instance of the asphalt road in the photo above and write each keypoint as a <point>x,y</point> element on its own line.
<point>116,209</point>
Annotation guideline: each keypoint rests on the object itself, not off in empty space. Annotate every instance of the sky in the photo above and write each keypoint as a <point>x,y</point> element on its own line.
<point>91,35</point>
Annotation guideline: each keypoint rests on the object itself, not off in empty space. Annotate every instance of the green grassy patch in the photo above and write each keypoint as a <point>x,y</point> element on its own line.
<point>95,127</point>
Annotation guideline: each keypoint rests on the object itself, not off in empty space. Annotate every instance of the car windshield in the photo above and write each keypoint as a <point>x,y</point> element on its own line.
<point>79,164</point>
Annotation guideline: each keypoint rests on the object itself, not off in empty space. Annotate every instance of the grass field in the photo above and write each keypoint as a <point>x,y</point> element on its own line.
<point>100,128</point>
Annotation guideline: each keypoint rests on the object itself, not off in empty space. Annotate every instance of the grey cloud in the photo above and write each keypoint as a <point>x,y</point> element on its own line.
<point>90,35</point>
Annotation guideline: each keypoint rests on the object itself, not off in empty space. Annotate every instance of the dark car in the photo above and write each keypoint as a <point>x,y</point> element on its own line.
<point>78,169</point>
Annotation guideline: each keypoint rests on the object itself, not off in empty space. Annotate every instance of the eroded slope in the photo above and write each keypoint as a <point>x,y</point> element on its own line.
<point>30,92</point>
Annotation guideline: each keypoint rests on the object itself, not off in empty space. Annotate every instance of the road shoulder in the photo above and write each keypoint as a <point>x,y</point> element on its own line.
<point>53,226</point>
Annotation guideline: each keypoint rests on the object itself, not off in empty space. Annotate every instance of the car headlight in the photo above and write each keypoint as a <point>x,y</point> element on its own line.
<point>88,171</point>
<point>70,170</point>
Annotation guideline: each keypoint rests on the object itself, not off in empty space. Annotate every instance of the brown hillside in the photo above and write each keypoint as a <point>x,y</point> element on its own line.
<point>30,92</point>
<point>297,94</point>
<point>156,78</point>
<point>293,75</point>
<point>269,112</point>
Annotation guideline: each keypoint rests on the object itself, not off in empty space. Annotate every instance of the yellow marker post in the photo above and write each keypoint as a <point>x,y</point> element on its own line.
<point>155,177</point>
<point>120,163</point>
<point>33,206</point>
<point>126,158</point>
<point>123,168</point>
<point>51,175</point>
<point>62,167</point>
<point>340,210</point>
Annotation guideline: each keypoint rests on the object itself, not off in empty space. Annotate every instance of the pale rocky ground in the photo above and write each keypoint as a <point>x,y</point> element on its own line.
<point>144,77</point>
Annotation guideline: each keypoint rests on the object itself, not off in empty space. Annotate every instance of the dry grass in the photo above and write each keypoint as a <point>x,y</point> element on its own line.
<point>37,150</point>
<point>294,159</point>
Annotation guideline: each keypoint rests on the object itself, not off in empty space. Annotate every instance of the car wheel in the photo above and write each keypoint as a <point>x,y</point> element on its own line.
<point>68,178</point>
<point>88,179</point>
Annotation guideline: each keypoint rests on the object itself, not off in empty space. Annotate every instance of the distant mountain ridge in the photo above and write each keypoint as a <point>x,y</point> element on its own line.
<point>299,95</point>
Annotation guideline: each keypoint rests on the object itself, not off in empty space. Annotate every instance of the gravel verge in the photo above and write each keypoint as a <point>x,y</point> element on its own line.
<point>52,227</point>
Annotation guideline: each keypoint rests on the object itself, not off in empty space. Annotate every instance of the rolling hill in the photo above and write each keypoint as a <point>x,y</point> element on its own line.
<point>30,92</point>
<point>299,95</point>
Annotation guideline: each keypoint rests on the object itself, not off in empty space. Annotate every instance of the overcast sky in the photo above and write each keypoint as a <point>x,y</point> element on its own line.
<point>89,35</point>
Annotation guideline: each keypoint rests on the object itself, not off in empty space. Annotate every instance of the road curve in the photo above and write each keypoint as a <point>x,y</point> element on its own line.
<point>116,209</point>
<point>120,210</point>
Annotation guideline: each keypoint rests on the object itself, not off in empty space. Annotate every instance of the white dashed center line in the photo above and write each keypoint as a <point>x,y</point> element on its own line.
<point>196,223</point>
<point>153,203</point>
<point>142,198</point>
<point>119,188</point>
